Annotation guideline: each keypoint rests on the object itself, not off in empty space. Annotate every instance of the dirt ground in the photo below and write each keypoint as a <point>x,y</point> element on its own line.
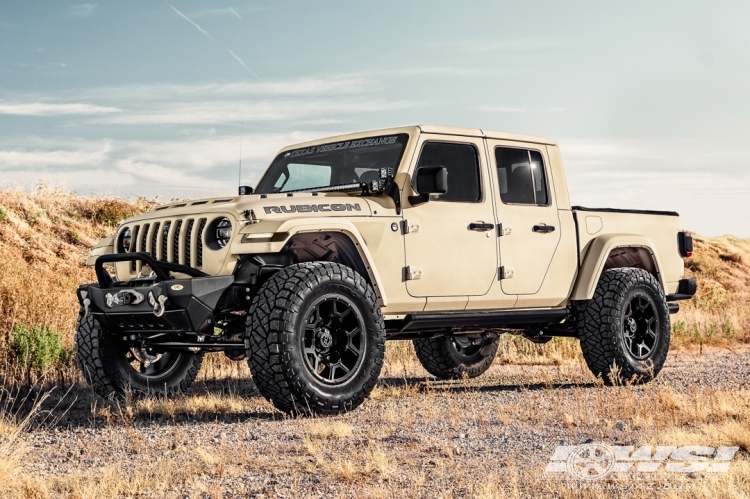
<point>415,437</point>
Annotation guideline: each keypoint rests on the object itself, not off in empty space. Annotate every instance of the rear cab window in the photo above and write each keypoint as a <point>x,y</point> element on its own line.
<point>521,176</point>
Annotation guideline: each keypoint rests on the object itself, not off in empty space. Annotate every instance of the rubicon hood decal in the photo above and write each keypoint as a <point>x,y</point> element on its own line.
<point>309,208</point>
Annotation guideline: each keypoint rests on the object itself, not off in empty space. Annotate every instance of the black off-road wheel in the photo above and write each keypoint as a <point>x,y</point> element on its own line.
<point>456,356</point>
<point>316,339</point>
<point>113,369</point>
<point>624,329</point>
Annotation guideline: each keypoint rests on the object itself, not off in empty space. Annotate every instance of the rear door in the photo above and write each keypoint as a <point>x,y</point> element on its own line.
<point>527,212</point>
<point>451,244</point>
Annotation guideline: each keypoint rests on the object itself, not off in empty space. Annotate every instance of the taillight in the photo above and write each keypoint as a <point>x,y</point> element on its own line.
<point>686,243</point>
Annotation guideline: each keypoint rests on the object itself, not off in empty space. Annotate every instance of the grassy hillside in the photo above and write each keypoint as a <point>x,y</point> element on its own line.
<point>45,237</point>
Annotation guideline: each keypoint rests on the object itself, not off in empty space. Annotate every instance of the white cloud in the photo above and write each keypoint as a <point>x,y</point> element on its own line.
<point>223,112</point>
<point>83,10</point>
<point>90,154</point>
<point>701,181</point>
<point>53,109</point>
<point>511,109</point>
<point>503,109</point>
<point>165,177</point>
<point>195,166</point>
<point>334,85</point>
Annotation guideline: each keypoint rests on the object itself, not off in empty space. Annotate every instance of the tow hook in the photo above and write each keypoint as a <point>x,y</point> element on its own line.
<point>157,303</point>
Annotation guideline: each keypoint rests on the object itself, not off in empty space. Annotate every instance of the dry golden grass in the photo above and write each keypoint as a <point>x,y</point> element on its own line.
<point>13,424</point>
<point>45,237</point>
<point>719,314</point>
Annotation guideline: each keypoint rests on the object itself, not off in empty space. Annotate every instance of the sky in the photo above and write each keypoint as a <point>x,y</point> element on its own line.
<point>648,100</point>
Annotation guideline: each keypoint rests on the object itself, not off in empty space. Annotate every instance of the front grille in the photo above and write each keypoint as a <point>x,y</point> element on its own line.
<point>199,244</point>
<point>133,244</point>
<point>165,240</point>
<point>144,238</point>
<point>154,236</point>
<point>176,241</point>
<point>188,240</point>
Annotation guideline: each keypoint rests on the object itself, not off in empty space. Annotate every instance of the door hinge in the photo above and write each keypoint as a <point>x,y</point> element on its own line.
<point>505,272</point>
<point>407,226</point>
<point>412,273</point>
<point>503,230</point>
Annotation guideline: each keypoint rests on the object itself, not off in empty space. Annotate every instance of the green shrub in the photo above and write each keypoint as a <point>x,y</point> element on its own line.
<point>679,328</point>
<point>3,214</point>
<point>38,348</point>
<point>74,237</point>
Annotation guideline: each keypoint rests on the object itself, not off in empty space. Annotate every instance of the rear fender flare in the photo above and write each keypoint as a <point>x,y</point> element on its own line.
<point>596,257</point>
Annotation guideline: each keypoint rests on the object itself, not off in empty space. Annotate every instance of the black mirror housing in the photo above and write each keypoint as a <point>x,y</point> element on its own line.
<point>245,190</point>
<point>432,180</point>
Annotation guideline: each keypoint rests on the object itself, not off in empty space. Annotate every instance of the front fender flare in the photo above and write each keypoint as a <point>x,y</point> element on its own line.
<point>286,229</point>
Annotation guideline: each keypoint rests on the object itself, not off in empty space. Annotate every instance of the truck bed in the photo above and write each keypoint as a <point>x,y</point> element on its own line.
<point>660,228</point>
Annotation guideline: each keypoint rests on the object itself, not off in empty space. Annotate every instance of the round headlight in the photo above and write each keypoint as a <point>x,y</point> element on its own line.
<point>223,232</point>
<point>125,239</point>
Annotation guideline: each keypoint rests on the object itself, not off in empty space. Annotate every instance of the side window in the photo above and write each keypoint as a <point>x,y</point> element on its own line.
<point>520,173</point>
<point>462,163</point>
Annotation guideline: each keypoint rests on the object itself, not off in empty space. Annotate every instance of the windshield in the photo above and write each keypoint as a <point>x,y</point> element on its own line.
<point>331,164</point>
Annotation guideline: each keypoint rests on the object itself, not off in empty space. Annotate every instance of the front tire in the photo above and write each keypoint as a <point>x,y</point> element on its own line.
<point>113,369</point>
<point>453,357</point>
<point>317,339</point>
<point>624,329</point>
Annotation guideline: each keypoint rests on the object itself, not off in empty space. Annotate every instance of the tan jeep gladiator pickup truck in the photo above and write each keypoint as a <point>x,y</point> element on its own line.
<point>444,236</point>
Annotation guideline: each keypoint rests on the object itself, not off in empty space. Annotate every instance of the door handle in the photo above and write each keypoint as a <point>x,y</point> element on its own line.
<point>543,228</point>
<point>481,226</point>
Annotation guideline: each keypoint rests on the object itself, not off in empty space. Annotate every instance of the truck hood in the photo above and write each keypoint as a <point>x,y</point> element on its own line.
<point>263,207</point>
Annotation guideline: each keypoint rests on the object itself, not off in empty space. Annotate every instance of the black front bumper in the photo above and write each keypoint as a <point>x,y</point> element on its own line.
<point>157,304</point>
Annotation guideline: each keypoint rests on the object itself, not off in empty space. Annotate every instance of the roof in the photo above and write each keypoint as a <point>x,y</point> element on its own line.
<point>436,129</point>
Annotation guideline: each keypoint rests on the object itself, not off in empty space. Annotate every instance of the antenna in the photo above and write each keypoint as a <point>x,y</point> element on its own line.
<point>239,174</point>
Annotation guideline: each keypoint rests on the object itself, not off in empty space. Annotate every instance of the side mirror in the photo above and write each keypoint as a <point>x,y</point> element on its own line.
<point>245,190</point>
<point>430,180</point>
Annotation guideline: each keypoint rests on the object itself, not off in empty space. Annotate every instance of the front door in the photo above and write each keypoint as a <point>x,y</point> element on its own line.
<point>527,212</point>
<point>451,243</point>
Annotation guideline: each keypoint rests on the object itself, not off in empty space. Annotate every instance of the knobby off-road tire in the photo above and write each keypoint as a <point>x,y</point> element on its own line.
<point>305,323</point>
<point>456,357</point>
<point>112,370</point>
<point>626,324</point>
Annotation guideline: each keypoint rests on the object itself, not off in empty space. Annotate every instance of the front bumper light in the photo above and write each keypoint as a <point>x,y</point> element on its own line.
<point>265,237</point>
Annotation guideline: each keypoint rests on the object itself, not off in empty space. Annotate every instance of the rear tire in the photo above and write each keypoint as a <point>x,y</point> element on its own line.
<point>113,370</point>
<point>317,339</point>
<point>455,357</point>
<point>626,324</point>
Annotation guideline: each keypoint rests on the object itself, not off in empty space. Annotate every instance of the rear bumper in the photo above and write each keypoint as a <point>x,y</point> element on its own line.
<point>154,305</point>
<point>685,290</point>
